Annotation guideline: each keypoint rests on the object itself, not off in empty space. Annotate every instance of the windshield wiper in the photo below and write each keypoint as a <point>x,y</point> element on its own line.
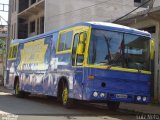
<point>108,47</point>
<point>117,58</point>
<point>94,52</point>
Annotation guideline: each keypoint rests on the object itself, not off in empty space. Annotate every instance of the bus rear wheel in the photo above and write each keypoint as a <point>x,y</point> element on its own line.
<point>113,106</point>
<point>18,92</point>
<point>66,101</point>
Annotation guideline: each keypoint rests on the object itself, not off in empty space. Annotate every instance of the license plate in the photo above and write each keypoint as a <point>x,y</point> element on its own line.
<point>121,96</point>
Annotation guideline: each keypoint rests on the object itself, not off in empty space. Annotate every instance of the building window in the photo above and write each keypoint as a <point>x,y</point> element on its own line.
<point>15,6</point>
<point>151,29</point>
<point>37,26</point>
<point>23,4</point>
<point>42,24</point>
<point>14,30</point>
<point>142,3</point>
<point>32,26</point>
<point>33,1</point>
<point>137,1</point>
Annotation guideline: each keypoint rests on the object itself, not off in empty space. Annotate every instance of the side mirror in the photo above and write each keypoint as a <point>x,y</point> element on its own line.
<point>81,45</point>
<point>82,37</point>
<point>80,49</point>
<point>152,49</point>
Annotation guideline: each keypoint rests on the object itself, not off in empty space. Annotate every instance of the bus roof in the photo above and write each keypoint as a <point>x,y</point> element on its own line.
<point>119,28</point>
<point>95,25</point>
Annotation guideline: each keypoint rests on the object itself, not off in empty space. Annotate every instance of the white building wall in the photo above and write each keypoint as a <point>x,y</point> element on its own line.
<point>156,3</point>
<point>14,19</point>
<point>60,13</point>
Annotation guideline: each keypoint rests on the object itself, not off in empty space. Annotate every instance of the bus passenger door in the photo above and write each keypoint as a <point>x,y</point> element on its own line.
<point>77,63</point>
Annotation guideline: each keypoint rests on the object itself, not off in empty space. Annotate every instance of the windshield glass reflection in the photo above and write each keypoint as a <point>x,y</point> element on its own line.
<point>119,49</point>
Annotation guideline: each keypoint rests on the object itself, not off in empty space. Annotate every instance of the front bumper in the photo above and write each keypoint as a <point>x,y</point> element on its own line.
<point>100,96</point>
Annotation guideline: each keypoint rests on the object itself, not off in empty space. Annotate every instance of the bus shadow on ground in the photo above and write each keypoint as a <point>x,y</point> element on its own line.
<point>95,109</point>
<point>37,105</point>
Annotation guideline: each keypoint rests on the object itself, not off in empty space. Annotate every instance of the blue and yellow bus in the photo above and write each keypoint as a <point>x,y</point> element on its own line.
<point>88,61</point>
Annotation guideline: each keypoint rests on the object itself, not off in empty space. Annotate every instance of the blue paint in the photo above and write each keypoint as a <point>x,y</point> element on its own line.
<point>117,82</point>
<point>109,82</point>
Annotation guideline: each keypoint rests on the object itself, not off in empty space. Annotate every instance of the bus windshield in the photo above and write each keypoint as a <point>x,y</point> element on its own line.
<point>119,49</point>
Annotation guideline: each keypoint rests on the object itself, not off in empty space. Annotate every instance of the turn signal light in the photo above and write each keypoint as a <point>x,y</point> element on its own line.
<point>91,77</point>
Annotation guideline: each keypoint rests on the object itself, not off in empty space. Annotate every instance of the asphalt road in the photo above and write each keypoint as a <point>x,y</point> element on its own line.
<point>40,107</point>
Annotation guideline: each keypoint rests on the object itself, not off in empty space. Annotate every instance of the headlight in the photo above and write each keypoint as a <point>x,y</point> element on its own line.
<point>138,98</point>
<point>144,99</point>
<point>102,95</point>
<point>95,94</point>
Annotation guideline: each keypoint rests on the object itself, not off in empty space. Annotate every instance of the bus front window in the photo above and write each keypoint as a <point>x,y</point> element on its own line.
<point>137,52</point>
<point>119,50</point>
<point>105,47</point>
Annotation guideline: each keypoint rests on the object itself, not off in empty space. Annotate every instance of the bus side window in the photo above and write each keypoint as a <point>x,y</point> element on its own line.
<point>13,52</point>
<point>65,41</point>
<point>48,41</point>
<point>10,53</point>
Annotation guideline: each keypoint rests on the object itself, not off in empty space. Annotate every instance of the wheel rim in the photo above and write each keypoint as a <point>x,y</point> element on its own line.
<point>17,88</point>
<point>65,95</point>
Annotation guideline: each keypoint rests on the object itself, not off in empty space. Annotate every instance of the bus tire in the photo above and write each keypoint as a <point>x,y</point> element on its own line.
<point>66,101</point>
<point>18,92</point>
<point>113,106</point>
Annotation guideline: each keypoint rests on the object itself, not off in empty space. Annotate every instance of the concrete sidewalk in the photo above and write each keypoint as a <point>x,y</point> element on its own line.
<point>150,109</point>
<point>5,90</point>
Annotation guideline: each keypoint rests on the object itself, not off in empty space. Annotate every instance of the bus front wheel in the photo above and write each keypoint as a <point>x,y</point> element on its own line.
<point>66,101</point>
<point>113,106</point>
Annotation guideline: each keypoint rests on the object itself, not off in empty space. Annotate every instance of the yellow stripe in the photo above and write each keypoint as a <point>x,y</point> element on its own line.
<point>14,44</point>
<point>64,52</point>
<point>78,66</point>
<point>118,69</point>
<point>11,58</point>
